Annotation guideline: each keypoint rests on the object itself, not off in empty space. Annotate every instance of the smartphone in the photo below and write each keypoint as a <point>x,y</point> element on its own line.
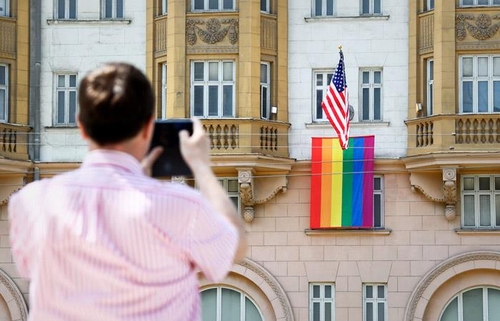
<point>166,134</point>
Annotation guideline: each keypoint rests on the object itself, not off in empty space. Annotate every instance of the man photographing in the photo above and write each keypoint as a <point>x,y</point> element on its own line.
<point>108,242</point>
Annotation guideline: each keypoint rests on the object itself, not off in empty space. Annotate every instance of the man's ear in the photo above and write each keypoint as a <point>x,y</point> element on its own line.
<point>81,129</point>
<point>149,128</point>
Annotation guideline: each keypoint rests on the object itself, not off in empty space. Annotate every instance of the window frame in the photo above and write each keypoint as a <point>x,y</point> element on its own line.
<point>430,87</point>
<point>233,195</point>
<point>265,102</point>
<point>475,79</point>
<point>491,3</point>
<point>378,193</point>
<point>429,5</point>
<point>68,14</point>
<point>477,192</point>
<point>5,87</point>
<point>243,298</point>
<point>115,15</point>
<point>372,4</point>
<point>206,6</point>
<point>163,7</point>
<point>206,83</point>
<point>324,8</point>
<point>322,300</point>
<point>163,89</point>
<point>7,9</point>
<point>265,6</point>
<point>326,77</point>
<point>67,90</point>
<point>375,301</point>
<point>460,306</point>
<point>372,86</point>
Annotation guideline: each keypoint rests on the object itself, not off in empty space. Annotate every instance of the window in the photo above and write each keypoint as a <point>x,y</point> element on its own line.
<point>429,4</point>
<point>479,84</point>
<point>163,91</point>
<point>212,89</point>
<point>430,87</point>
<point>371,95</point>
<point>4,8</point>
<point>265,90</point>
<point>479,304</point>
<point>324,8</point>
<point>65,99</point>
<point>374,302</point>
<point>219,5</point>
<point>321,302</point>
<point>265,6</point>
<point>66,9</point>
<point>163,7</point>
<point>232,188</point>
<point>112,9</point>
<point>371,7</point>
<point>4,92</point>
<point>378,202</point>
<point>464,3</point>
<point>321,82</point>
<point>221,303</point>
<point>481,201</point>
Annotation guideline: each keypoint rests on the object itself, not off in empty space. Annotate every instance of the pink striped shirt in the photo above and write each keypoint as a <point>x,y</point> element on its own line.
<point>105,242</point>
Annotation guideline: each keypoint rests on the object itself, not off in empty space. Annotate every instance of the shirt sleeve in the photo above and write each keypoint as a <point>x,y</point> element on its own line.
<point>213,243</point>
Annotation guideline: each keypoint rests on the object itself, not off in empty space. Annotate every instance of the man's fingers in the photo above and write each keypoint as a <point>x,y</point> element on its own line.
<point>150,159</point>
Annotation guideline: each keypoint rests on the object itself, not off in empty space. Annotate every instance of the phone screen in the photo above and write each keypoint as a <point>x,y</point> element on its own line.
<point>166,134</point>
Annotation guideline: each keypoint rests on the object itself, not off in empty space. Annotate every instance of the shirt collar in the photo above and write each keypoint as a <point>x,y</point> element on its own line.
<point>112,158</point>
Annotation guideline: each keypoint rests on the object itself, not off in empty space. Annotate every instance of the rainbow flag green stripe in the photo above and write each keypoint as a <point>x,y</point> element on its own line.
<point>342,183</point>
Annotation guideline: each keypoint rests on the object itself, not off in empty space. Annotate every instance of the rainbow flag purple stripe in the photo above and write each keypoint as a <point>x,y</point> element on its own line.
<point>342,183</point>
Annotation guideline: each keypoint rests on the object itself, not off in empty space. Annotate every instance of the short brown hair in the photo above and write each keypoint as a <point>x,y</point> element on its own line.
<point>116,101</point>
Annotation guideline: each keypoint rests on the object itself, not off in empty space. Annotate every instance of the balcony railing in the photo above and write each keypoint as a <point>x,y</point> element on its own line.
<point>247,136</point>
<point>14,141</point>
<point>456,132</point>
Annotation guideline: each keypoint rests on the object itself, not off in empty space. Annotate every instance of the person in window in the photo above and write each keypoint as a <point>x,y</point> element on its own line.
<point>108,242</point>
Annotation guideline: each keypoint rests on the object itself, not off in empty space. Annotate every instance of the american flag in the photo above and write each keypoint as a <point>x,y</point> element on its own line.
<point>336,104</point>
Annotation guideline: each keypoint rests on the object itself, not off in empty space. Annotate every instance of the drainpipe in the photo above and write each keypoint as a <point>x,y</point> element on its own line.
<point>35,77</point>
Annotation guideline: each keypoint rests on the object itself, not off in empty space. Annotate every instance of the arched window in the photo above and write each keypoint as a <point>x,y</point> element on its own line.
<point>481,304</point>
<point>224,304</point>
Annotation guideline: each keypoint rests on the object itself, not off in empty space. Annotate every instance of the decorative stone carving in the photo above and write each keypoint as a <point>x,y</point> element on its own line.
<point>214,31</point>
<point>482,30</point>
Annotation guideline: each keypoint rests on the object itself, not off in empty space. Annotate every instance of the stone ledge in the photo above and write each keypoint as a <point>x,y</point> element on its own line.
<point>477,231</point>
<point>88,21</point>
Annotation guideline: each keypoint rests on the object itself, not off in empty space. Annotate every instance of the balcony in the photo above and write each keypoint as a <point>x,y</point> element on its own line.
<point>14,141</point>
<point>454,132</point>
<point>232,136</point>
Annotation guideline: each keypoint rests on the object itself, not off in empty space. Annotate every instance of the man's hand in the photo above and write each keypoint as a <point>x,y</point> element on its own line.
<point>150,159</point>
<point>195,148</point>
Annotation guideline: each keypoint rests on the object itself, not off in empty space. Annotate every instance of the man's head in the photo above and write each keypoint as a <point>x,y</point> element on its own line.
<point>116,102</point>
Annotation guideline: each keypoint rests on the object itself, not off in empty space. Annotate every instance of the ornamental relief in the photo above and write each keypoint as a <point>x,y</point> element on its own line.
<point>480,27</point>
<point>215,30</point>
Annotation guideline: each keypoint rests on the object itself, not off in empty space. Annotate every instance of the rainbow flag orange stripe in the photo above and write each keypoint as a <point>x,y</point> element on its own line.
<point>342,183</point>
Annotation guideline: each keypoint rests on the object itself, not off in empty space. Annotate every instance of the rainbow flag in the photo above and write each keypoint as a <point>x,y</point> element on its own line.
<point>342,183</point>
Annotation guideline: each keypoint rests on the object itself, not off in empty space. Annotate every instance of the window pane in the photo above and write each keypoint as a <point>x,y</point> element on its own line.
<point>496,65</point>
<point>381,311</point>
<point>228,71</point>
<point>61,9</point>
<point>467,67</point>
<point>431,70</point>
<point>263,73</point>
<point>497,183</point>
<point>366,7</point>
<point>209,305</point>
<point>482,96</point>
<point>329,7</point>
<point>198,4</point>
<point>108,9</point>
<point>369,291</point>
<point>467,97</point>
<point>72,9</point>
<point>316,291</point>
<point>329,78</point>
<point>263,5</point>
<point>369,311</point>
<point>198,101</point>
<point>2,104</point>
<point>213,4</point>
<point>468,2</point>
<point>213,100</point>
<point>72,107</point>
<point>72,80</point>
<point>366,77</point>
<point>328,291</point>
<point>377,8</point>
<point>468,183</point>
<point>496,96</point>
<point>263,103</point>
<point>119,8</point>
<point>60,107</point>
<point>3,75</point>
<point>377,183</point>
<point>213,71</point>
<point>328,311</point>
<point>251,312</point>
<point>317,6</point>
<point>366,104</point>
<point>231,306</point>
<point>61,81</point>
<point>473,304</point>
<point>451,311</point>
<point>198,71</point>
<point>232,185</point>
<point>497,210</point>
<point>484,183</point>
<point>227,100</point>
<point>484,210</point>
<point>377,210</point>
<point>380,292</point>
<point>469,210</point>
<point>482,2</point>
<point>319,79</point>
<point>482,66</point>
<point>228,5</point>
<point>319,99</point>
<point>493,304</point>
<point>377,76</point>
<point>496,2</point>
<point>376,104</point>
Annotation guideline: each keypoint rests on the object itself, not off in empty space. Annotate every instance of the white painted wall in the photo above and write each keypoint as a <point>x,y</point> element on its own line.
<point>79,47</point>
<point>366,42</point>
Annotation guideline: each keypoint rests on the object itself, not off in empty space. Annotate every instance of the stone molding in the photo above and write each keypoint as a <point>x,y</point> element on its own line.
<point>422,293</point>
<point>13,297</point>
<point>214,31</point>
<point>482,29</point>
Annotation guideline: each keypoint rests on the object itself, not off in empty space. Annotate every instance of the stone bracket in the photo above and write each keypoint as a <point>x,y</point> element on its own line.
<point>438,188</point>
<point>254,190</point>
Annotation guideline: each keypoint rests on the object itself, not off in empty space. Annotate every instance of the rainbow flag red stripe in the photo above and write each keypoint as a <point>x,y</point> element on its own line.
<point>342,183</point>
